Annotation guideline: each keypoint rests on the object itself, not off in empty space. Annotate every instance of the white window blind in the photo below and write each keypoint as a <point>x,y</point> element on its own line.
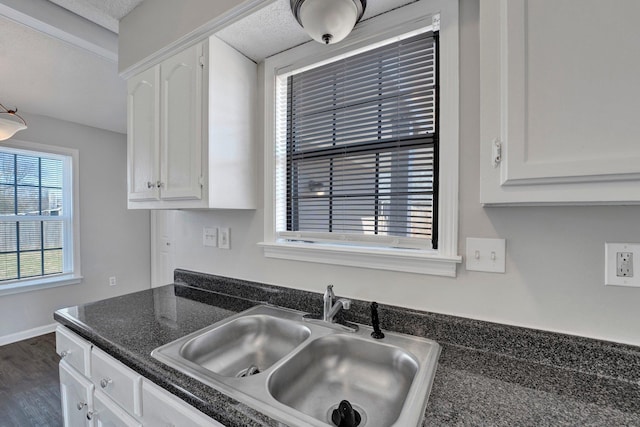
<point>357,148</point>
<point>35,215</point>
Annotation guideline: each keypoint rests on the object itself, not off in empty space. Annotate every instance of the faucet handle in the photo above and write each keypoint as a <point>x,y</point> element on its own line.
<point>375,322</point>
<point>346,303</point>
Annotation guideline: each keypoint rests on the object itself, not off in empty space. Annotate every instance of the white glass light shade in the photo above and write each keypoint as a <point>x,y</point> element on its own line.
<point>328,21</point>
<point>8,128</point>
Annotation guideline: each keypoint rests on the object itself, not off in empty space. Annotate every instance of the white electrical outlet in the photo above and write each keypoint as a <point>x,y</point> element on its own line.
<point>624,264</point>
<point>112,281</point>
<point>224,238</point>
<point>619,261</point>
<point>486,255</point>
<point>210,237</point>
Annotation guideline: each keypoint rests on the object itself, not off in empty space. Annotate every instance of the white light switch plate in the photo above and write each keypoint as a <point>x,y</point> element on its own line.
<point>610,257</point>
<point>486,255</point>
<point>210,237</point>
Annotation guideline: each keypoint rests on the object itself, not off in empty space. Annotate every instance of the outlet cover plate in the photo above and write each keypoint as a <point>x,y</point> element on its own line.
<point>224,238</point>
<point>487,255</point>
<point>611,251</point>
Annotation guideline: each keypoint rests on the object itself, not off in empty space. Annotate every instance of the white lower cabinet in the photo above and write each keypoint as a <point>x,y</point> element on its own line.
<point>99,391</point>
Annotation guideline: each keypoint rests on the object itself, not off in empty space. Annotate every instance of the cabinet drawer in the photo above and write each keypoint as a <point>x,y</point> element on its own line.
<point>161,408</point>
<point>116,380</point>
<point>73,349</point>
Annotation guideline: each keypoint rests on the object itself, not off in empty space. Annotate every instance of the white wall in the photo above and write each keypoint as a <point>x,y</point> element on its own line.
<point>555,255</point>
<point>114,241</point>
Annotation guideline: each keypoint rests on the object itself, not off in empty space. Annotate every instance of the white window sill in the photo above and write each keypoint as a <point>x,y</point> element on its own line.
<point>405,260</point>
<point>37,283</point>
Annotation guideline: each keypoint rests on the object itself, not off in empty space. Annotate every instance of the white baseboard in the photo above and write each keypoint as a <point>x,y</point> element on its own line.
<point>29,333</point>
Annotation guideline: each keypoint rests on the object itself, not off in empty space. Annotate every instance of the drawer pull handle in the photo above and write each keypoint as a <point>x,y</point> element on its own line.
<point>64,354</point>
<point>105,382</point>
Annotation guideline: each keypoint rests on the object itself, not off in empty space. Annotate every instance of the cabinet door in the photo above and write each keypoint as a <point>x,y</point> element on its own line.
<point>181,112</point>
<point>143,141</point>
<point>107,414</point>
<point>76,393</point>
<point>561,100</point>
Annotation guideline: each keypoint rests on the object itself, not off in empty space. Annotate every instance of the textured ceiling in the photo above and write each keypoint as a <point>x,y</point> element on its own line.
<point>273,29</point>
<point>43,75</point>
<point>46,76</point>
<point>105,13</point>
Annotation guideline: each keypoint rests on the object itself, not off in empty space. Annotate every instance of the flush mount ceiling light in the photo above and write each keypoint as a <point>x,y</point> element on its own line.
<point>9,127</point>
<point>328,21</point>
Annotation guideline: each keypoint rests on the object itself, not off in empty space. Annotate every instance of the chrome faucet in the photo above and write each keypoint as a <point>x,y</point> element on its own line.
<point>331,309</point>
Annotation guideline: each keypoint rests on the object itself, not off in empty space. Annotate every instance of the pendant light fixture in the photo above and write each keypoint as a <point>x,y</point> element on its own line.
<point>9,127</point>
<point>328,21</point>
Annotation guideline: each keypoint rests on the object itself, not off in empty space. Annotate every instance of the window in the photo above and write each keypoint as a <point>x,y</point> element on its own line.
<point>36,219</point>
<point>363,138</point>
<point>361,148</point>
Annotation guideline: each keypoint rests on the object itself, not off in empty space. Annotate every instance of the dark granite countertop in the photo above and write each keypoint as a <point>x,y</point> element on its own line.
<point>488,374</point>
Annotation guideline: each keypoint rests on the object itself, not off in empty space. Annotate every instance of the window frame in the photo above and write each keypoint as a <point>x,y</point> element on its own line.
<point>442,15</point>
<point>71,248</point>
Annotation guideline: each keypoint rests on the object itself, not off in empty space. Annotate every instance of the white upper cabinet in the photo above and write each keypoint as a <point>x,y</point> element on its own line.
<point>191,122</point>
<point>559,102</point>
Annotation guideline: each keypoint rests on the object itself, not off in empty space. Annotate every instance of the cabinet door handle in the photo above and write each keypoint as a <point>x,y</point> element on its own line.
<point>64,354</point>
<point>80,405</point>
<point>90,415</point>
<point>105,382</point>
<point>159,184</point>
<point>150,184</point>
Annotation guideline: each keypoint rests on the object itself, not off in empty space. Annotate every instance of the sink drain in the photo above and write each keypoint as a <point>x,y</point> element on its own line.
<point>360,415</point>
<point>251,370</point>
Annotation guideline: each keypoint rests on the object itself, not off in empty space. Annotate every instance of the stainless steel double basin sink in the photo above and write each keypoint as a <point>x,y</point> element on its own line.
<point>299,371</point>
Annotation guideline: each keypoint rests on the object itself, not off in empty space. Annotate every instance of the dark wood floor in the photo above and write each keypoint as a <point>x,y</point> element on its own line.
<point>30,384</point>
